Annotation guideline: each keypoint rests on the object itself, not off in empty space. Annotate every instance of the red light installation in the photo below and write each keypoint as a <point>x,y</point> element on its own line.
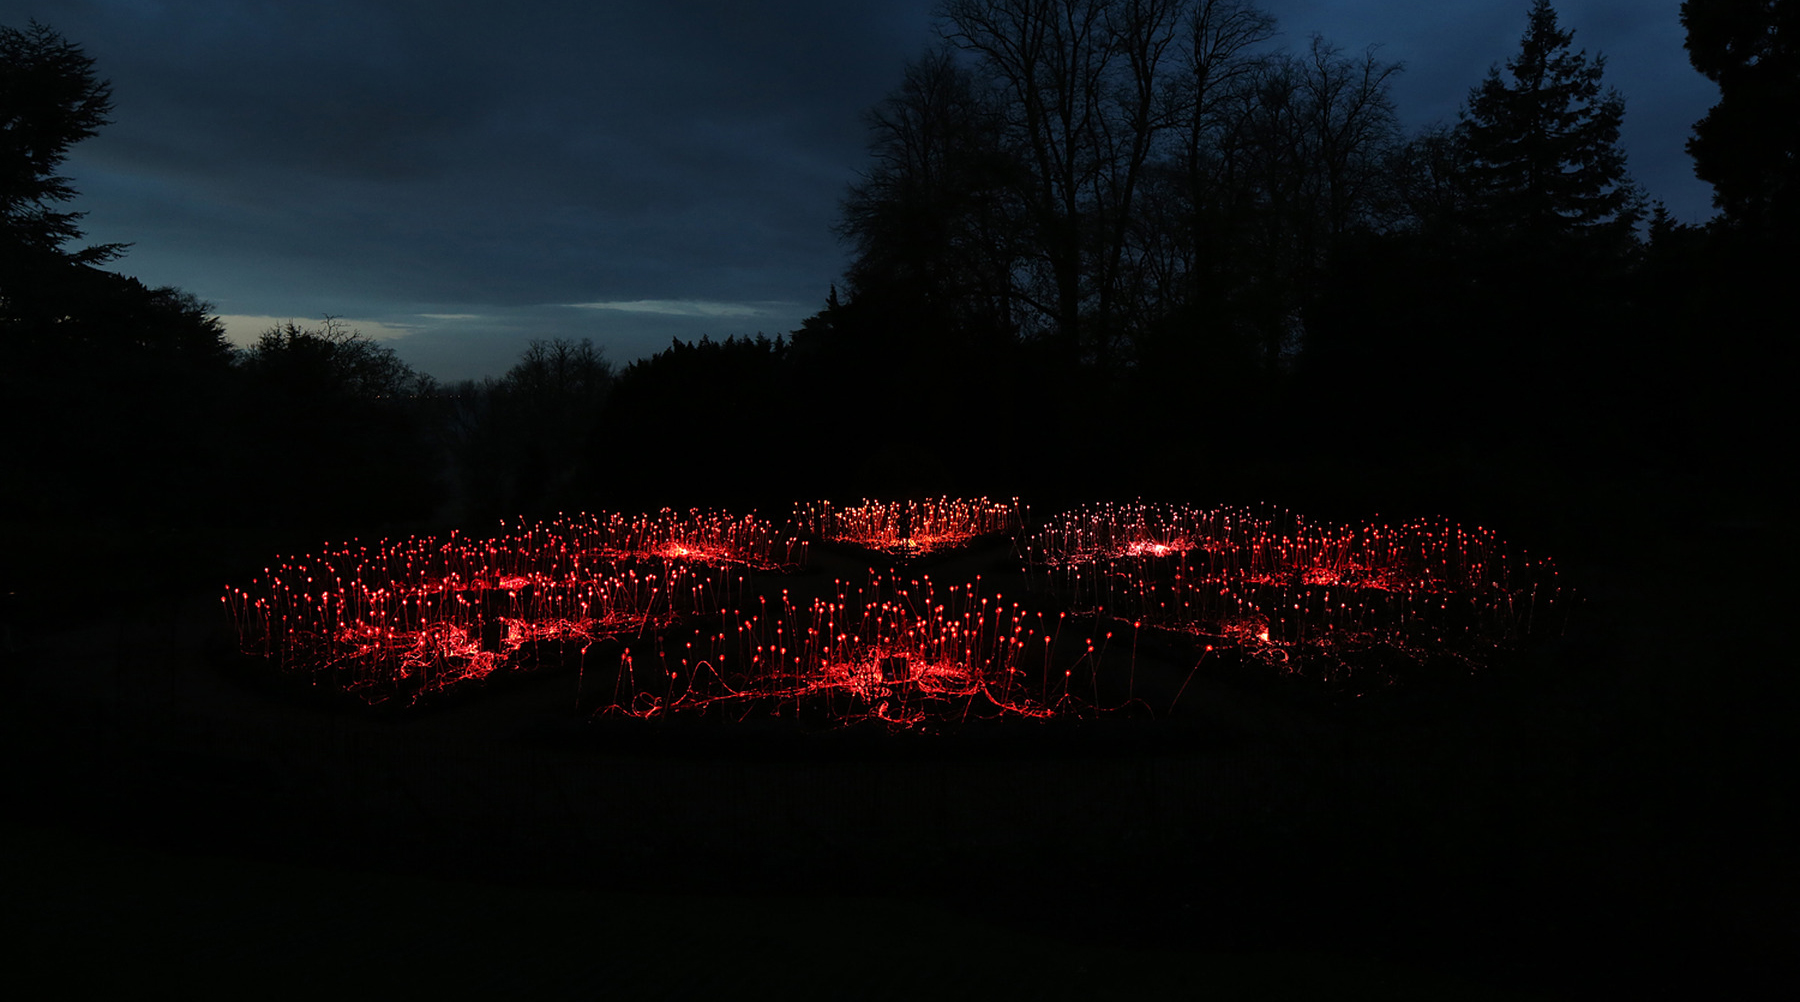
<point>1282,585</point>
<point>400,621</point>
<point>908,528</point>
<point>422,615</point>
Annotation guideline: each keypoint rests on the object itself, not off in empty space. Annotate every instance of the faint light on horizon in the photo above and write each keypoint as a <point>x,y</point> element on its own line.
<point>244,330</point>
<point>675,307</point>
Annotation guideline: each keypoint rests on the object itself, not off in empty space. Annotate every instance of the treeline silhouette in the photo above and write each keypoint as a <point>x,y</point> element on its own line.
<point>1102,248</point>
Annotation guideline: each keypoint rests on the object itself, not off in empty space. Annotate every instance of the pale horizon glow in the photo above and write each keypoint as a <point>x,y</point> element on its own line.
<point>676,307</point>
<point>245,331</point>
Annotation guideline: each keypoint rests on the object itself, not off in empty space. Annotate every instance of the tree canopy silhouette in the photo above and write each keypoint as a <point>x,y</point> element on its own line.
<point>1543,148</point>
<point>52,297</point>
<point>49,101</point>
<point>1748,145</point>
<point>330,361</point>
<point>934,220</point>
<point>1115,182</point>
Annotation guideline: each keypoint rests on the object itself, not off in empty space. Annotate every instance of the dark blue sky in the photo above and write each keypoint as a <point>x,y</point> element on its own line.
<point>464,176</point>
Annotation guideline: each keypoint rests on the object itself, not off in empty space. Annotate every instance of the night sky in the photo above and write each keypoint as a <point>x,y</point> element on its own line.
<point>462,177</point>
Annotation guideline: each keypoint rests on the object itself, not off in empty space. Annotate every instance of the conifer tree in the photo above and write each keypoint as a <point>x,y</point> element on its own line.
<point>1748,145</point>
<point>49,101</point>
<point>1542,141</point>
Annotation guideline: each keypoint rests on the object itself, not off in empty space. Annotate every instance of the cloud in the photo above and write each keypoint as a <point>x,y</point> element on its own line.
<point>451,316</point>
<point>677,307</point>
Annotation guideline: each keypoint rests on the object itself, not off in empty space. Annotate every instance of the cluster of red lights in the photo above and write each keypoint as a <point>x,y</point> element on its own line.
<point>423,615</point>
<point>908,528</point>
<point>696,635</point>
<point>1273,579</point>
<point>697,537</point>
<point>899,652</point>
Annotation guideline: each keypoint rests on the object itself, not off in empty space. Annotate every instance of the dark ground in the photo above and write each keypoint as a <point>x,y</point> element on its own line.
<point>1602,819</point>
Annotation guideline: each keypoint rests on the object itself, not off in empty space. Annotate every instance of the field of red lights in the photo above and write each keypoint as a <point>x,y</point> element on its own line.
<point>702,614</point>
<point>1285,589</point>
<point>903,652</point>
<point>423,615</point>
